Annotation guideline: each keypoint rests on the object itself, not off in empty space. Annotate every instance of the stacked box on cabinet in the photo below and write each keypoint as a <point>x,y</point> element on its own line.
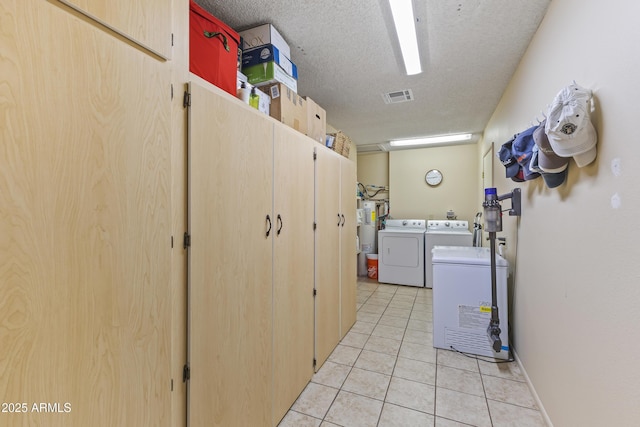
<point>268,73</point>
<point>339,142</point>
<point>213,49</point>
<point>268,53</point>
<point>266,57</point>
<point>287,106</point>
<point>264,102</point>
<point>265,34</point>
<point>316,121</point>
<point>244,93</point>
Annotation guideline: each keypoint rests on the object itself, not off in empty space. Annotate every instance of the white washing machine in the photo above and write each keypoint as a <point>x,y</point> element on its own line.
<point>462,300</point>
<point>401,252</point>
<point>443,232</point>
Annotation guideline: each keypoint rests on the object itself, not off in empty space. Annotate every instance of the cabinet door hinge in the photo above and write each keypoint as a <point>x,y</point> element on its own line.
<point>172,91</point>
<point>315,362</point>
<point>171,384</point>
<point>171,242</point>
<point>186,241</point>
<point>186,100</point>
<point>315,225</point>
<point>315,292</point>
<point>186,373</point>
<point>171,39</point>
<point>315,155</point>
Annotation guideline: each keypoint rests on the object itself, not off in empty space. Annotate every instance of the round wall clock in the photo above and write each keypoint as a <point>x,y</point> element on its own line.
<point>433,177</point>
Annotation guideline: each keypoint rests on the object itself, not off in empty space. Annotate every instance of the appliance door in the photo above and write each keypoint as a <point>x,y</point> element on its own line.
<point>442,238</point>
<point>401,258</point>
<point>401,251</point>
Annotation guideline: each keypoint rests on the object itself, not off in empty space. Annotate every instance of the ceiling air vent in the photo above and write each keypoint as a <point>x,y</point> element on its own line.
<point>398,96</point>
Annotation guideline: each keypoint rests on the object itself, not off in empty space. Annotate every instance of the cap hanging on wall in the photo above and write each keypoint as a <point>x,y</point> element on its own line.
<point>569,127</point>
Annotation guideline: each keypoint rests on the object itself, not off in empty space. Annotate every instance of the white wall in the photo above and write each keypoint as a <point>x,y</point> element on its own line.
<point>373,169</point>
<point>576,299</point>
<point>411,197</point>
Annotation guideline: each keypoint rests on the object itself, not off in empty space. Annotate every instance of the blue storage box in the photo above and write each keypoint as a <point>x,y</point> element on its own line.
<point>268,53</point>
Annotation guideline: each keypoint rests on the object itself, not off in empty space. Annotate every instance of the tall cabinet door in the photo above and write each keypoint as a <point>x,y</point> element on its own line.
<point>327,252</point>
<point>230,269</point>
<point>292,267</point>
<point>85,155</point>
<point>348,251</point>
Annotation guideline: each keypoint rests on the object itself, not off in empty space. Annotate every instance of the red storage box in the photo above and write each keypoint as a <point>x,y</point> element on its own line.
<point>213,49</point>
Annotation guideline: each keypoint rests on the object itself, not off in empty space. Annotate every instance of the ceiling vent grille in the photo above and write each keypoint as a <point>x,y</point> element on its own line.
<point>398,96</point>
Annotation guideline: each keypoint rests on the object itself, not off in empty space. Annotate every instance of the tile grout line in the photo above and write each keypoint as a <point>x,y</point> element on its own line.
<point>394,363</point>
<point>402,340</point>
<point>388,304</point>
<point>370,335</point>
<point>484,390</point>
<point>414,301</point>
<point>435,390</point>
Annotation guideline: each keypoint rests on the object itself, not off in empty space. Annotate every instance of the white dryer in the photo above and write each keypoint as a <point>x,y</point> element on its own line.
<point>401,252</point>
<point>443,232</point>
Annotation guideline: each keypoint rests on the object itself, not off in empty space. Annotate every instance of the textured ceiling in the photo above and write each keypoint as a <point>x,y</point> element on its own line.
<point>348,56</point>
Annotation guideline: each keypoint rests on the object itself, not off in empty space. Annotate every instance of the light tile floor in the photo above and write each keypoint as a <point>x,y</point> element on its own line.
<point>386,373</point>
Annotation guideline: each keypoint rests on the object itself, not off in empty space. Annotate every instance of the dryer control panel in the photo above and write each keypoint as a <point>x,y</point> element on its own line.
<point>446,224</point>
<point>407,224</point>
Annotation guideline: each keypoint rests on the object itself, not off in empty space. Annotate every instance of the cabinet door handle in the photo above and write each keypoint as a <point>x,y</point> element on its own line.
<point>279,220</point>
<point>342,220</point>
<point>338,220</point>
<point>269,224</point>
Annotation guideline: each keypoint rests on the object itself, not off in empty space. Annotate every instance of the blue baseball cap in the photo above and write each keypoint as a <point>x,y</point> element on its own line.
<point>508,160</point>
<point>522,150</point>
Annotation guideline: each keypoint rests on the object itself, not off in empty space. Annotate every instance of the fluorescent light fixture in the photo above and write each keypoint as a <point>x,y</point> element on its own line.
<point>402,11</point>
<point>431,140</point>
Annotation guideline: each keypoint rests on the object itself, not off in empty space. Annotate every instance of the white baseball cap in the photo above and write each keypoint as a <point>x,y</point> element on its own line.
<point>569,128</point>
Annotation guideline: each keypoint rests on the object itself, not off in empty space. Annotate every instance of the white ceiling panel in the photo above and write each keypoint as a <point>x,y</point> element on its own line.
<point>348,59</point>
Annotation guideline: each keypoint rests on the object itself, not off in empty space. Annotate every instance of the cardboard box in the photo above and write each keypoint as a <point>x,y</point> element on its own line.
<point>264,105</point>
<point>316,121</point>
<point>268,73</point>
<point>267,53</point>
<point>265,34</point>
<point>244,95</point>
<point>287,106</point>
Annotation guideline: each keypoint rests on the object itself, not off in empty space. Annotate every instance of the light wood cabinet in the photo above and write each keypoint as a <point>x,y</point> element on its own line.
<point>327,251</point>
<point>348,249</point>
<point>85,223</point>
<point>230,266</point>
<point>92,216</point>
<point>335,251</point>
<point>251,263</point>
<point>93,211</point>
<point>293,267</point>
